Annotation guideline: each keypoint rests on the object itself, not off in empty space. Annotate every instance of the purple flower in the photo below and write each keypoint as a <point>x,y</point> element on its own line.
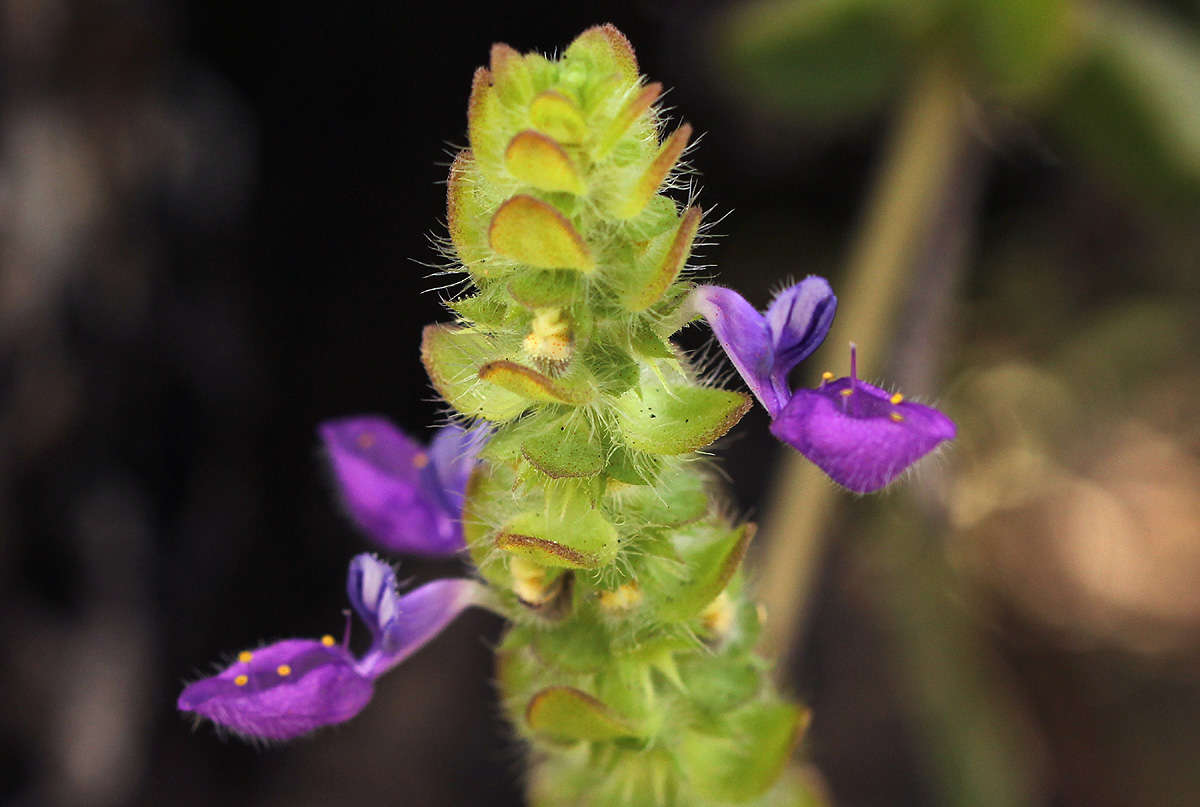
<point>764,349</point>
<point>406,497</point>
<point>862,436</point>
<point>401,625</point>
<point>294,686</point>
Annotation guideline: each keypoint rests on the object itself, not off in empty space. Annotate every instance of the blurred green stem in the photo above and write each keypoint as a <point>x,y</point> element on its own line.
<point>929,135</point>
<point>976,739</point>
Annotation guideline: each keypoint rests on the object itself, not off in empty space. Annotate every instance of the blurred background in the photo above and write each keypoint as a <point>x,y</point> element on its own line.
<point>213,218</point>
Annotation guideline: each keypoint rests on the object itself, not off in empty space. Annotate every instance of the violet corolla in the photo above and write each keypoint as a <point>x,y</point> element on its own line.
<point>408,499</point>
<point>862,436</point>
<point>405,496</point>
<point>293,686</point>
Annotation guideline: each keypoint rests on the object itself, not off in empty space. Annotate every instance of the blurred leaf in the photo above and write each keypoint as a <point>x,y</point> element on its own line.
<point>1119,351</point>
<point>582,647</point>
<point>711,561</point>
<point>717,684</point>
<point>976,740</point>
<point>1134,103</point>
<point>1022,45</point>
<point>741,768</point>
<point>566,713</point>
<point>821,59</point>
<point>799,787</point>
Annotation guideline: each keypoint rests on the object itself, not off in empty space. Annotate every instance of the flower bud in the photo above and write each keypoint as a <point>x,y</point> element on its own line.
<point>549,342</point>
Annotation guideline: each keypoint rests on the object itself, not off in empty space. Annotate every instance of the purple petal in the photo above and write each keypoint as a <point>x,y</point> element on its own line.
<point>412,620</point>
<point>371,587</point>
<point>454,451</point>
<point>862,440</point>
<point>282,691</point>
<point>391,488</point>
<point>798,318</point>
<point>745,336</point>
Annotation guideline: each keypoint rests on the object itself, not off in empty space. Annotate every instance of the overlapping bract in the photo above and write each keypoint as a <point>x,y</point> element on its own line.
<point>862,436</point>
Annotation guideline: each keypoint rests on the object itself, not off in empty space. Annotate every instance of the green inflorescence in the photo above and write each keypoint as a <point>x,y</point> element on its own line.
<point>629,668</point>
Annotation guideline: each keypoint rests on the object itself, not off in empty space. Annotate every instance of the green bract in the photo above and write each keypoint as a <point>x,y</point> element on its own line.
<point>629,667</point>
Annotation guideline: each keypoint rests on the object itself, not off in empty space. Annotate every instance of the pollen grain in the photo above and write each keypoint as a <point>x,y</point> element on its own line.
<point>896,416</point>
<point>284,670</point>
<point>328,640</point>
<point>420,459</point>
<point>245,656</point>
<point>241,680</point>
<point>897,398</point>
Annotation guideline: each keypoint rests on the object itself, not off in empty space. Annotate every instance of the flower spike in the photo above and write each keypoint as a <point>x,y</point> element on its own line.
<point>406,497</point>
<point>295,686</point>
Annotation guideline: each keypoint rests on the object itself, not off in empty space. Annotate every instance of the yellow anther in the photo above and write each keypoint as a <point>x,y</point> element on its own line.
<point>366,440</point>
<point>846,393</point>
<point>328,640</point>
<point>826,376</point>
<point>284,670</point>
<point>717,616</point>
<point>549,338</point>
<point>245,656</point>
<point>896,416</point>
<point>531,581</point>
<point>897,398</point>
<point>420,459</point>
<point>554,348</point>
<point>626,596</point>
<point>241,680</point>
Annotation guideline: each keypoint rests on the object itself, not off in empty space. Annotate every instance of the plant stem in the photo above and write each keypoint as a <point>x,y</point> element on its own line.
<point>924,151</point>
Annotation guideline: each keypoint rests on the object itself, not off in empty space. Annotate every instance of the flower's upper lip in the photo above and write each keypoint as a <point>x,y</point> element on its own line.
<point>407,497</point>
<point>765,347</point>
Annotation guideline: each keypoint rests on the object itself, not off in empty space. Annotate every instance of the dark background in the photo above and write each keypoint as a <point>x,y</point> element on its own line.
<point>216,235</point>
